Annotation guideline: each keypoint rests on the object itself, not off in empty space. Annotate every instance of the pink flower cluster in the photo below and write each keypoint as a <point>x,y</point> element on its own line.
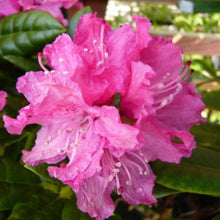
<point>108,147</point>
<point>53,7</point>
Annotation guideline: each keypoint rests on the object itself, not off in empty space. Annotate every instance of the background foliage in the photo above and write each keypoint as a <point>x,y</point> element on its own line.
<point>30,193</point>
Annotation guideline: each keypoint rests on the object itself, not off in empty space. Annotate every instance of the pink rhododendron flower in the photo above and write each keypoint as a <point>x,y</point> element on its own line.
<point>53,7</point>
<point>3,101</point>
<point>109,148</point>
<point>70,128</point>
<point>95,53</point>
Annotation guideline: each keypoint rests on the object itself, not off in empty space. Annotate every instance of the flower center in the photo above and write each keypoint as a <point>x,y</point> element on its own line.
<point>99,48</point>
<point>123,165</point>
<point>166,90</point>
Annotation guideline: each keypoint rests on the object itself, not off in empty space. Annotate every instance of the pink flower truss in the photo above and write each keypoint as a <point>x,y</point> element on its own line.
<point>3,101</point>
<point>53,7</point>
<point>109,148</point>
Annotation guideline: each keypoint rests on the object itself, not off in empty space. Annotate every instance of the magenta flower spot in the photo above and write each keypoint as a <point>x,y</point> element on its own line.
<point>107,148</point>
<point>3,96</point>
<point>53,7</point>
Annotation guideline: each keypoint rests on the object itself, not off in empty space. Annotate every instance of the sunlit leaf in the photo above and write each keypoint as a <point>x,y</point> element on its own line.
<point>26,33</point>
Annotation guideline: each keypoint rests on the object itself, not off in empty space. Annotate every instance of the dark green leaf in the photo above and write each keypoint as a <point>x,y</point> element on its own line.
<point>71,210</point>
<point>188,177</point>
<point>75,19</point>
<point>204,157</point>
<point>10,193</point>
<point>212,99</point>
<point>161,191</point>
<point>217,217</point>
<point>13,172</point>
<point>45,206</point>
<point>207,134</point>
<point>26,33</point>
<point>41,170</point>
<point>16,183</point>
<point>25,63</point>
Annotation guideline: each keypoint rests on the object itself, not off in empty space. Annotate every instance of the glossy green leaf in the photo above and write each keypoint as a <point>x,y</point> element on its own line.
<point>188,177</point>
<point>41,170</point>
<point>207,134</point>
<point>75,20</point>
<point>26,33</point>
<point>204,157</point>
<point>212,99</point>
<point>161,191</point>
<point>25,63</point>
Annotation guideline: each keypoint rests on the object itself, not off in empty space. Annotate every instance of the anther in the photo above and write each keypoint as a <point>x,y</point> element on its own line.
<point>128,183</point>
<point>61,60</point>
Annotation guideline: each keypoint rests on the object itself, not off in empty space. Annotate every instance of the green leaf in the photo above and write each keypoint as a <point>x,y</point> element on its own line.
<point>211,99</point>
<point>13,172</point>
<point>75,20</point>
<point>161,191</point>
<point>25,63</point>
<point>41,170</point>
<point>217,217</point>
<point>70,210</point>
<point>26,33</point>
<point>188,177</point>
<point>45,206</point>
<point>16,183</point>
<point>14,192</point>
<point>204,65</point>
<point>204,157</point>
<point>207,135</point>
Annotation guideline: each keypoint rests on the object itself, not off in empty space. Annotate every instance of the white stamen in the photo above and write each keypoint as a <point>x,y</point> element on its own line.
<point>128,183</point>
<point>72,145</point>
<point>85,49</point>
<point>61,60</point>
<point>65,72</point>
<point>118,164</point>
<point>94,42</point>
<point>146,172</point>
<point>100,63</point>
<point>106,55</point>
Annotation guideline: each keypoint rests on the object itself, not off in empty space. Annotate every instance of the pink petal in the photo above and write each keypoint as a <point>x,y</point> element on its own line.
<point>84,162</point>
<point>51,6</point>
<point>121,137</point>
<point>3,96</point>
<point>62,55</point>
<point>184,111</point>
<point>164,57</point>
<point>88,32</point>
<point>142,31</point>
<point>138,100</point>
<point>160,141</point>
<point>8,7</point>
<point>94,197</point>
<point>140,189</point>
